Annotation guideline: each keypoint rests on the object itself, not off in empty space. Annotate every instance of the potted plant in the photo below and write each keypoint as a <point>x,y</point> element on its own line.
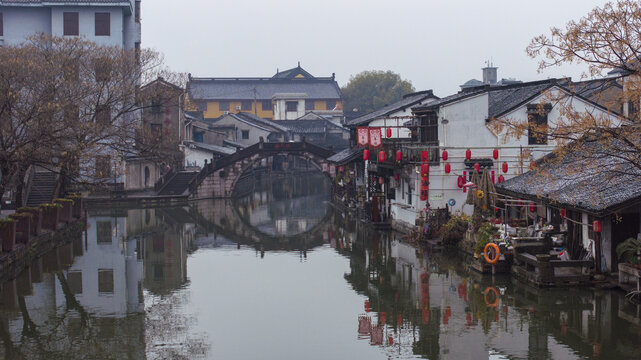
<point>50,215</point>
<point>77,205</point>
<point>630,251</point>
<point>66,210</point>
<point>36,218</point>
<point>23,226</point>
<point>485,234</point>
<point>8,234</point>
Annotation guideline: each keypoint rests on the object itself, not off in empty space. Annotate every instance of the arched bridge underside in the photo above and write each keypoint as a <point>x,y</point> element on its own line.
<point>219,179</point>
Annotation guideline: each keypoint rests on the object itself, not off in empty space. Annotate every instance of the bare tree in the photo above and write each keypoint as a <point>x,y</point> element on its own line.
<point>67,103</point>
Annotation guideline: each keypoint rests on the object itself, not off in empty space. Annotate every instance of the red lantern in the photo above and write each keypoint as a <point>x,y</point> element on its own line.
<point>532,207</point>
<point>425,170</point>
<point>563,213</point>
<point>365,154</point>
<point>460,182</point>
<point>495,154</point>
<point>504,167</point>
<point>399,155</point>
<point>381,156</point>
<point>468,154</point>
<point>520,202</point>
<point>381,180</point>
<point>447,168</point>
<point>597,227</point>
<point>501,179</point>
<point>477,167</point>
<point>464,177</point>
<point>493,182</point>
<point>445,155</point>
<point>341,168</point>
<point>388,132</point>
<point>396,177</point>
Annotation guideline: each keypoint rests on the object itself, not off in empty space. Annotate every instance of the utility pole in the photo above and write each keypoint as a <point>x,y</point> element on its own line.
<point>255,108</point>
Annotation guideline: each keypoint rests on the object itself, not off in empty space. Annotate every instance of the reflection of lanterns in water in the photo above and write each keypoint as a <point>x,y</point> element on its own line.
<point>368,306</point>
<point>399,319</point>
<point>390,340</point>
<point>468,318</point>
<point>382,318</point>
<point>364,324</point>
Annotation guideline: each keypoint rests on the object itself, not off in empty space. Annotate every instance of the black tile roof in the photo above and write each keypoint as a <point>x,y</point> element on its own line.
<point>599,185</point>
<point>506,98</point>
<point>407,101</point>
<point>311,126</point>
<point>346,156</point>
<point>264,88</point>
<point>260,121</point>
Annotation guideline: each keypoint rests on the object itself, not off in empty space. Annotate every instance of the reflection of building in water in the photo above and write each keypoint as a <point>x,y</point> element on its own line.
<point>107,278</point>
<point>427,304</point>
<point>82,291</point>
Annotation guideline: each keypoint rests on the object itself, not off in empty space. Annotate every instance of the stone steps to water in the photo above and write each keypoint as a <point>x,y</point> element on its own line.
<point>43,187</point>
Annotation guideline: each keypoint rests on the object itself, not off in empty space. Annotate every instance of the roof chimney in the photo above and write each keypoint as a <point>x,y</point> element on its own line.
<point>489,74</point>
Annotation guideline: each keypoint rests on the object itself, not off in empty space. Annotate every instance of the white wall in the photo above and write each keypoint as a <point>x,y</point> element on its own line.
<point>87,23</point>
<point>19,23</point>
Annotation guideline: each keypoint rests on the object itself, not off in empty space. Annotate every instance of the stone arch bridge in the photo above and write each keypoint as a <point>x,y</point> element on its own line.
<point>218,179</point>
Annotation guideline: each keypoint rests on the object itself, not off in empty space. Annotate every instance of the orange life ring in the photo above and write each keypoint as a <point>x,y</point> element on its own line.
<point>496,251</point>
<point>496,296</point>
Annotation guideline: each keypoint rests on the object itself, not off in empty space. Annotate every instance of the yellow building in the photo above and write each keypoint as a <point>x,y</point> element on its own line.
<point>288,95</point>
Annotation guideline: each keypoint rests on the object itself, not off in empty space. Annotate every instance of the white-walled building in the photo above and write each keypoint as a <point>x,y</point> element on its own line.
<point>106,22</point>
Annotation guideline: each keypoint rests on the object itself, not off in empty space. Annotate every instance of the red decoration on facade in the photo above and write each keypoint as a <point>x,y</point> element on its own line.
<point>504,168</point>
<point>445,155</point>
<point>468,154</point>
<point>425,170</point>
<point>448,168</point>
<point>495,154</point>
<point>424,156</point>
<point>597,227</point>
<point>365,154</point>
<point>532,207</point>
<point>362,136</point>
<point>399,155</point>
<point>460,182</point>
<point>375,140</point>
<point>563,213</point>
<point>501,179</point>
<point>388,132</point>
<point>381,156</point>
<point>493,181</point>
<point>477,167</point>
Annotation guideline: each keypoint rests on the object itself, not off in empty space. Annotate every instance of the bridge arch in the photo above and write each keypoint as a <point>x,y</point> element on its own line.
<point>219,179</point>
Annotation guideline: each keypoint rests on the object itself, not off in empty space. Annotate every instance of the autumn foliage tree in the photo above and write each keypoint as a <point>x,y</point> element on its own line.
<point>64,102</point>
<point>607,146</point>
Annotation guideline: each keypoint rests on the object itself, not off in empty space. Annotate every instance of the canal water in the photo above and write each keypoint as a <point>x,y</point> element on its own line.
<point>280,274</point>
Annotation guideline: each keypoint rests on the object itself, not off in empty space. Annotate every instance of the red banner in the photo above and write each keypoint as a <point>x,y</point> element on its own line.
<point>375,138</point>
<point>362,136</point>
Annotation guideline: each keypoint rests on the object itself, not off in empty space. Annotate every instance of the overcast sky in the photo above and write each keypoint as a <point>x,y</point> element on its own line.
<point>436,44</point>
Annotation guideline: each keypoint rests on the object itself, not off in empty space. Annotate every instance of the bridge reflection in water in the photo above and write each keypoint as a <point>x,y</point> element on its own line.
<point>123,290</point>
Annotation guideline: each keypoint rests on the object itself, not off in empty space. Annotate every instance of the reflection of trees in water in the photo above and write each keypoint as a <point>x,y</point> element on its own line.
<point>430,304</point>
<point>168,328</point>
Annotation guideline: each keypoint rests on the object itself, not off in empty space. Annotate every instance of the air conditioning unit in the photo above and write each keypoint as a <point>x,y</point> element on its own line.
<point>238,108</point>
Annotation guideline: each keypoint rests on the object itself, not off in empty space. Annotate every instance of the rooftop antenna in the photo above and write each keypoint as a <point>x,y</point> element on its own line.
<point>299,64</point>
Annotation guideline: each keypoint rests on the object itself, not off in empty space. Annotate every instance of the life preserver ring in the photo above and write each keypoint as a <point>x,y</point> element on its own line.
<point>451,202</point>
<point>497,253</point>
<point>497,299</point>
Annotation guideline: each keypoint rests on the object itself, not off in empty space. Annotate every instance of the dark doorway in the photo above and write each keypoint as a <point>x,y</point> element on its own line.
<point>624,226</point>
